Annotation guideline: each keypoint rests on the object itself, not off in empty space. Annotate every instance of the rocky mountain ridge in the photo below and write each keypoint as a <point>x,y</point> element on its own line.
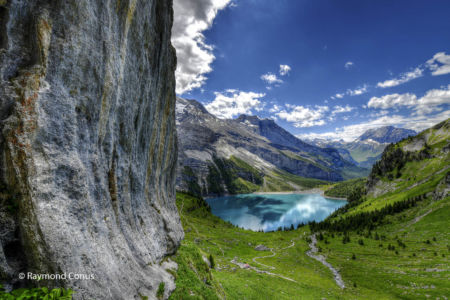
<point>367,148</point>
<point>261,144</point>
<point>386,134</point>
<point>283,140</point>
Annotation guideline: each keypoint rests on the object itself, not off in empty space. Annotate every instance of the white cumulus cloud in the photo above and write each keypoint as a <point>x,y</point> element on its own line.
<point>439,64</point>
<point>348,65</point>
<point>342,109</point>
<point>232,103</point>
<point>275,108</point>
<point>405,77</point>
<point>357,91</point>
<point>351,132</point>
<point>430,102</point>
<point>433,100</point>
<point>284,70</point>
<point>392,100</point>
<point>302,116</point>
<point>271,78</point>
<point>194,55</point>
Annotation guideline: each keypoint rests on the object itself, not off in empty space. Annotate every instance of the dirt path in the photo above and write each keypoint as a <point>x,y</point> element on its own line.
<point>310,253</point>
<point>272,255</point>
<point>428,178</point>
<point>248,267</point>
<point>313,254</point>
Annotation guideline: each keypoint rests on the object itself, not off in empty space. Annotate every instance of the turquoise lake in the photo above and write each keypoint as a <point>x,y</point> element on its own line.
<point>270,211</point>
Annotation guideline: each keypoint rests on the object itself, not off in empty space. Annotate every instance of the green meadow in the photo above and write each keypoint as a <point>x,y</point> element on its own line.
<point>416,267</point>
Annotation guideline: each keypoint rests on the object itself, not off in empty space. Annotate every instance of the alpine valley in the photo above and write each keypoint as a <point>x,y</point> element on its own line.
<point>114,186</point>
<point>248,154</point>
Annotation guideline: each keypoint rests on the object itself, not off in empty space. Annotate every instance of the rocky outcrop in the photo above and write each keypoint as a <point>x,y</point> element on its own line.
<point>88,144</point>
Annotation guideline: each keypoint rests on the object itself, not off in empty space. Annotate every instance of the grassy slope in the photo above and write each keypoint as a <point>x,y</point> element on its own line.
<point>421,268</point>
<point>417,177</point>
<point>344,188</point>
<point>278,181</point>
<point>354,172</point>
<point>418,270</point>
<point>363,153</point>
<point>378,273</point>
<point>211,235</point>
<point>347,172</point>
<point>275,181</point>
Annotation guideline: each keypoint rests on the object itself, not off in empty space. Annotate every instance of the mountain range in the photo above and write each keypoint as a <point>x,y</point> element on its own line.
<point>218,156</point>
<point>367,148</point>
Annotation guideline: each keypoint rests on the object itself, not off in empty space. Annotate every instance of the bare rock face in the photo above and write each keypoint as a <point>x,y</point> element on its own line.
<point>88,144</point>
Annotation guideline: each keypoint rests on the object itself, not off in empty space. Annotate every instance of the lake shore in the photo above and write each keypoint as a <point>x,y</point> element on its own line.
<point>310,191</point>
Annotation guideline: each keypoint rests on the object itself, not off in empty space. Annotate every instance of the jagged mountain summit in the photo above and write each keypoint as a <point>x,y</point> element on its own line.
<point>367,148</point>
<point>386,134</point>
<point>282,139</point>
<point>247,153</point>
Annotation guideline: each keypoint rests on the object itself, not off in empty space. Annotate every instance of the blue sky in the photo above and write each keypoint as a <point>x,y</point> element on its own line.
<point>328,69</point>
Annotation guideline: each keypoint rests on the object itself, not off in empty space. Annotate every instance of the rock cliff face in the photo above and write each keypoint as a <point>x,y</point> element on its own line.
<point>88,144</point>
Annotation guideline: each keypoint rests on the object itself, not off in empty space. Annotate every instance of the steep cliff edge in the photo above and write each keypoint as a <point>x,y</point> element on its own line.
<point>88,144</point>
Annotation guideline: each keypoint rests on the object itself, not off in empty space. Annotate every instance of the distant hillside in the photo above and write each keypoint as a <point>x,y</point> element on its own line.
<point>366,149</point>
<point>409,171</point>
<point>248,154</point>
<point>424,156</point>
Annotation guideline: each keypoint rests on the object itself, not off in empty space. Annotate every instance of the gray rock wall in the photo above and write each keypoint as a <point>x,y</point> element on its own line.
<point>88,143</point>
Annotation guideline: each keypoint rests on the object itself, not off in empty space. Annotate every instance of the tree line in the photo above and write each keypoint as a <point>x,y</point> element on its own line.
<point>367,220</point>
